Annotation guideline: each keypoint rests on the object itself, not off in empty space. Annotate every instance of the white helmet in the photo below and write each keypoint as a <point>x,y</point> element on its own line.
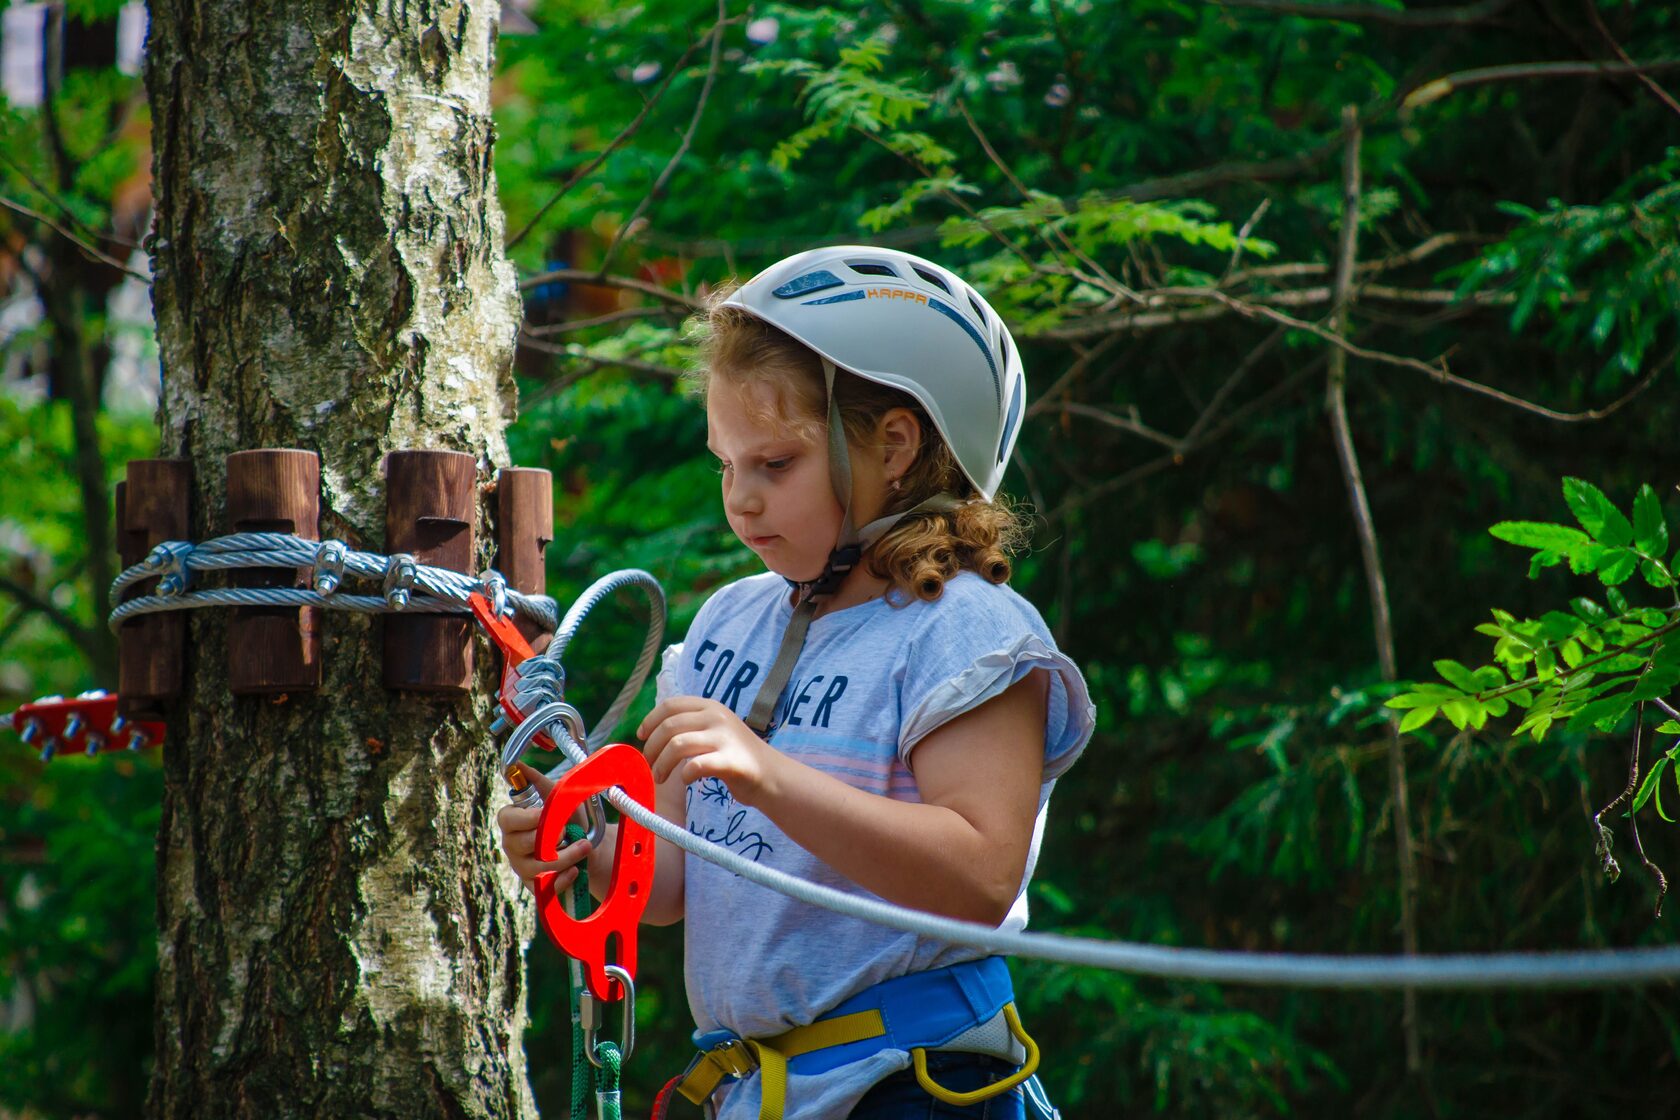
<point>905,322</point>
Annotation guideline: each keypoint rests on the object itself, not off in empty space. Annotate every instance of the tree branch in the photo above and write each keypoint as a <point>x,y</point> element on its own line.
<point>547,330</point>
<point>658,188</point>
<point>617,141</point>
<point>1449,84</point>
<point>1650,82</point>
<point>1381,623</point>
<point>630,283</point>
<point>1369,13</point>
<point>85,639</point>
<point>92,251</point>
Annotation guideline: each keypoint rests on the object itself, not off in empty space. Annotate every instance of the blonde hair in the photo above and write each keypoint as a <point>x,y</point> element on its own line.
<point>921,552</point>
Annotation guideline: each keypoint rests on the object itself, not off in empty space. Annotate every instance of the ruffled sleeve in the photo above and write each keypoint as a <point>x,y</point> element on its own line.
<point>665,681</point>
<point>972,651</point>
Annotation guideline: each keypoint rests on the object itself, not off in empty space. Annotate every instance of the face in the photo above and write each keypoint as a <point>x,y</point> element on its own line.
<point>776,490</point>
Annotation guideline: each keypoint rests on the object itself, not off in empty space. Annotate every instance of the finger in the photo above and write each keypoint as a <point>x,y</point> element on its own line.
<point>667,708</point>
<point>529,869</point>
<point>674,724</point>
<point>544,783</point>
<point>513,818</point>
<point>679,750</point>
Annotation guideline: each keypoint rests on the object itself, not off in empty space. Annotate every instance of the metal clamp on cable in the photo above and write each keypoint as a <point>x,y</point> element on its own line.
<point>170,558</point>
<point>329,566</point>
<point>494,585</point>
<point>401,572</point>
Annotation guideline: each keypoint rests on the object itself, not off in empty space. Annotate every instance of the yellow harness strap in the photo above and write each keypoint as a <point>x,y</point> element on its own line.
<point>740,1056</point>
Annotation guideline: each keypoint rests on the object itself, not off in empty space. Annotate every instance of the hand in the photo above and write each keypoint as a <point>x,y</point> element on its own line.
<point>519,840</point>
<point>694,738</point>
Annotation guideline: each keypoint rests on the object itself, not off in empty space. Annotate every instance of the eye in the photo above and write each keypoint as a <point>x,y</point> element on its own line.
<point>720,467</point>
<point>778,464</point>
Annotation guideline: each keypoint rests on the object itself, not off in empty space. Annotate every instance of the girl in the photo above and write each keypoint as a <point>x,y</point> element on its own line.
<point>877,712</point>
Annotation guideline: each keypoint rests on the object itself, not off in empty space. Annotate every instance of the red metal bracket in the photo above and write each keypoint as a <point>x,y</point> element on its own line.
<point>88,723</point>
<point>514,648</point>
<point>608,936</point>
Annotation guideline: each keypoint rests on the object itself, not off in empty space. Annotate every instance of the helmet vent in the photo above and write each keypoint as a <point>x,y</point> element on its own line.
<point>933,278</point>
<point>979,311</point>
<point>871,268</point>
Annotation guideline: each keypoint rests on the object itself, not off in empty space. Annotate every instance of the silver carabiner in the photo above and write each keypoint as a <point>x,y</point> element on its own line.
<point>590,1017</point>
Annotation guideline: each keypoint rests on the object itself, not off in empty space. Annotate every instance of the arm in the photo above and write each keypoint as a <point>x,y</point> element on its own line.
<point>960,853</point>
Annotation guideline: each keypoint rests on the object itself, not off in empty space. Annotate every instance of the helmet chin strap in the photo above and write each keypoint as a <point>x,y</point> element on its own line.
<point>846,555</point>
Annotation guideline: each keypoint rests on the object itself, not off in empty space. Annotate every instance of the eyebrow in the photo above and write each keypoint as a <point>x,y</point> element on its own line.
<point>775,449</point>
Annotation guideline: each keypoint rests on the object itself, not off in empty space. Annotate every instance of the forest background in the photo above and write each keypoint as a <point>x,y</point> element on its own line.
<point>1156,195</point>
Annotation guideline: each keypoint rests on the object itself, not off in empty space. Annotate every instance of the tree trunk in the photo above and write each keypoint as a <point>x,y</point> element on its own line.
<point>336,934</point>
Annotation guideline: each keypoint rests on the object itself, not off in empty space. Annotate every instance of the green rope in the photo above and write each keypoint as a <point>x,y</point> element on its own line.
<point>606,1084</point>
<point>583,1071</point>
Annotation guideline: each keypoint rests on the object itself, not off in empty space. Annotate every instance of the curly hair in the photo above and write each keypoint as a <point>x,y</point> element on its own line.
<point>922,551</point>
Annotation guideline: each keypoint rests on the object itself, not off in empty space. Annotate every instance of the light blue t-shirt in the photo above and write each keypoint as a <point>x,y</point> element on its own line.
<point>870,683</point>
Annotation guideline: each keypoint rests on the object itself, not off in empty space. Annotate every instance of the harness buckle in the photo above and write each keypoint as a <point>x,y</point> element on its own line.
<point>734,1057</point>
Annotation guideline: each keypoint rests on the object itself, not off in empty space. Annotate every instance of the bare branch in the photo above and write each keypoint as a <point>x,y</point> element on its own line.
<point>625,134</point>
<point>1125,424</point>
<point>90,250</point>
<point>83,637</point>
<point>1650,82</point>
<point>1230,384</point>
<point>1370,13</point>
<point>629,283</point>
<point>1449,84</point>
<point>63,206</point>
<point>1382,625</point>
<point>1436,372</point>
<point>550,329</point>
<point>1084,258</point>
<point>658,188</point>
<point>576,353</point>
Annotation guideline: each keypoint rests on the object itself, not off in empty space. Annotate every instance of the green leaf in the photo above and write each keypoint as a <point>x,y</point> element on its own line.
<point>1618,601</point>
<point>1521,697</point>
<point>1596,513</point>
<point>1588,610</point>
<point>1457,675</point>
<point>1654,575</point>
<point>1648,786</point>
<point>1650,532</point>
<point>1603,712</point>
<point>1617,566</point>
<point>1540,534</point>
<point>1416,718</point>
<point>1572,654</point>
<point>1669,727</point>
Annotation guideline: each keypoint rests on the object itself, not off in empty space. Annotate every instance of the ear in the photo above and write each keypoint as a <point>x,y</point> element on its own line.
<point>900,440</point>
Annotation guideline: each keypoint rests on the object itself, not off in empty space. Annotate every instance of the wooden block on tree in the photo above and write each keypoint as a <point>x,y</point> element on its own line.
<point>524,528</point>
<point>429,511</point>
<point>274,649</point>
<point>152,507</point>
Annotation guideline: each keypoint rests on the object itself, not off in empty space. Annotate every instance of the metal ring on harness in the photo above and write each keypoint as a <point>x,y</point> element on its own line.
<point>918,1058</point>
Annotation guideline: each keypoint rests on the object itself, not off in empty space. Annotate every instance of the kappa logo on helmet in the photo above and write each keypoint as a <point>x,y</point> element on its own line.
<point>895,293</point>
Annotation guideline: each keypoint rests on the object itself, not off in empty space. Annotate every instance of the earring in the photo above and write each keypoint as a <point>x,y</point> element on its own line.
<point>894,486</point>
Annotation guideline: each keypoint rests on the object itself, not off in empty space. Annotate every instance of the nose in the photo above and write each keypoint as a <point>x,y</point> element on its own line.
<point>741,498</point>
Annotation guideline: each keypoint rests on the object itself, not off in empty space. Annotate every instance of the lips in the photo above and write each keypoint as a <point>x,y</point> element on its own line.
<point>759,542</point>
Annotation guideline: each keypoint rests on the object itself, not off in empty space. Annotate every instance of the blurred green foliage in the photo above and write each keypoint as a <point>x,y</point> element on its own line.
<point>1237,792</point>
